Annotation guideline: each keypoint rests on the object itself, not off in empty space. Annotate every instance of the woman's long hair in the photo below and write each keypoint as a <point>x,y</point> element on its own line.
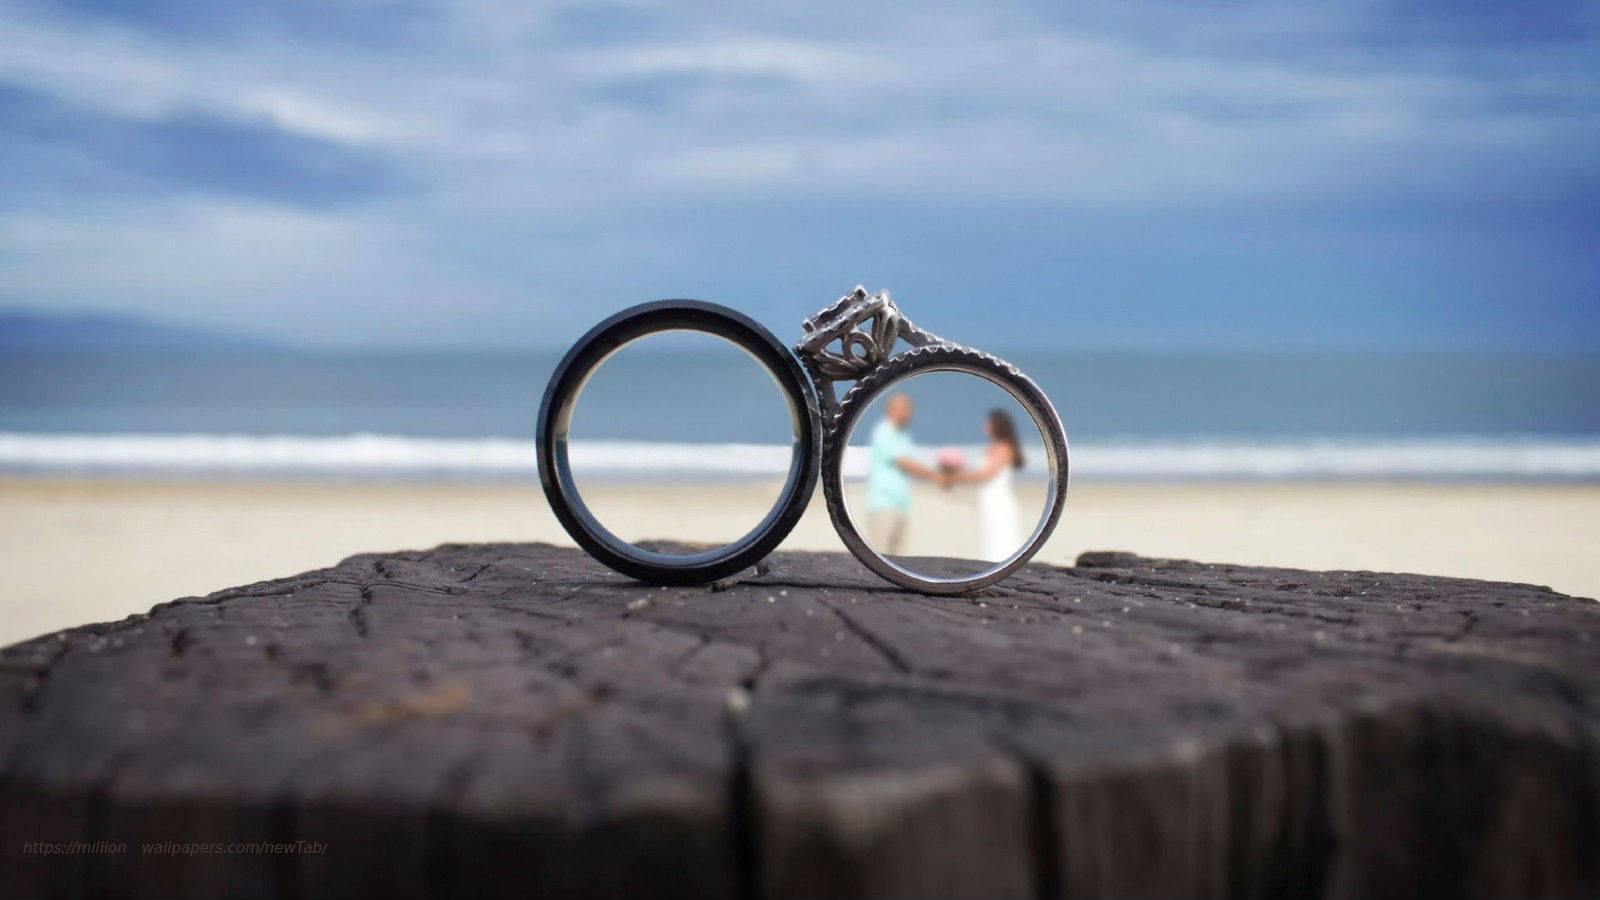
<point>1005,431</point>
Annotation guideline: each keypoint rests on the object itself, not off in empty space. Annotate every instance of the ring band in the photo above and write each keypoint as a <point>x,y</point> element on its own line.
<point>555,418</point>
<point>867,326</point>
<point>942,358</point>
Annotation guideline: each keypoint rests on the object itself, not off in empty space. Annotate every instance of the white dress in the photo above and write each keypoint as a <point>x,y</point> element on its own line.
<point>997,517</point>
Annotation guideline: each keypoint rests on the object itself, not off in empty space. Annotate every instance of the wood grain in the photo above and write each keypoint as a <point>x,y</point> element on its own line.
<point>516,720</point>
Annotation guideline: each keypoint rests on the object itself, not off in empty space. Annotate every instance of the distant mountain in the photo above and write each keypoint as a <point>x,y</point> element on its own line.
<point>39,331</point>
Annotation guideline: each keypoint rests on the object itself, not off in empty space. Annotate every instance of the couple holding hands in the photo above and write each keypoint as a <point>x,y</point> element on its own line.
<point>892,464</point>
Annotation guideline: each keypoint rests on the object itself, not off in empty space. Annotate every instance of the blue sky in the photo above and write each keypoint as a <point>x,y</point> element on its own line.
<point>1172,175</point>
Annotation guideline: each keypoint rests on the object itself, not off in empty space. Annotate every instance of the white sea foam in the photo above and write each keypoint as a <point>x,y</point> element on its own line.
<point>391,455</point>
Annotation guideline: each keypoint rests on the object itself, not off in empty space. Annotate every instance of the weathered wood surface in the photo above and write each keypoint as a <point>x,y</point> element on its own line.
<point>515,720</point>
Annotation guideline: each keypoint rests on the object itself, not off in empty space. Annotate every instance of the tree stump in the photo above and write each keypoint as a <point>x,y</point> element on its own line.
<point>515,720</point>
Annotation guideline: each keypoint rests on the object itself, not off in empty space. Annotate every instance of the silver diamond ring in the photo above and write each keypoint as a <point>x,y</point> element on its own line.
<point>865,327</point>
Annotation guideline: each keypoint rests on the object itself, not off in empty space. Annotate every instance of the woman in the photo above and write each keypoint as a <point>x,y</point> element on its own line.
<point>997,505</point>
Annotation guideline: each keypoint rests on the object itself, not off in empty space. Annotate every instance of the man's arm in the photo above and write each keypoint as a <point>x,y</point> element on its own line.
<point>915,469</point>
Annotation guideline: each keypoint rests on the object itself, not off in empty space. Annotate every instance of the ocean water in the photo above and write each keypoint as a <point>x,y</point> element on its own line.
<point>471,415</point>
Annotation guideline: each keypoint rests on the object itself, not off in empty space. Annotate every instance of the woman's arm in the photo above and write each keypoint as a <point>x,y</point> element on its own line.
<point>997,457</point>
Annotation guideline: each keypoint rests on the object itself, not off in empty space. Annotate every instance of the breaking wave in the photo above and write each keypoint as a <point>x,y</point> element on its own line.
<point>378,455</point>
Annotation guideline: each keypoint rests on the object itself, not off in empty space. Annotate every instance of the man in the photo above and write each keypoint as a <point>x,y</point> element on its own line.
<point>890,468</point>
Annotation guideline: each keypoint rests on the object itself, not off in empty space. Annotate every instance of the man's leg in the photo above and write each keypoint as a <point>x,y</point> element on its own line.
<point>886,530</point>
<point>878,528</point>
<point>897,534</point>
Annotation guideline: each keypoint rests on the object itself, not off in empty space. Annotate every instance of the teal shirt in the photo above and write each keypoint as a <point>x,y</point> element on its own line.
<point>887,486</point>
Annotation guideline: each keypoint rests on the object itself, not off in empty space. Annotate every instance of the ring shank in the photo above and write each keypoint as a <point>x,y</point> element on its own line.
<point>561,397</point>
<point>963,360</point>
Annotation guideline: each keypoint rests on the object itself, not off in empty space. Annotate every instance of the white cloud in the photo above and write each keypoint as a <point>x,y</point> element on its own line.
<point>959,107</point>
<point>531,157</point>
<point>802,61</point>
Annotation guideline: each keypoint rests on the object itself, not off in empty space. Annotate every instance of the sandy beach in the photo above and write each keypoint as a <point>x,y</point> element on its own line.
<point>88,551</point>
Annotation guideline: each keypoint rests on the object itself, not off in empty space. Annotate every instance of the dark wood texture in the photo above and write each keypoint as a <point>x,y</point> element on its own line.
<point>515,720</point>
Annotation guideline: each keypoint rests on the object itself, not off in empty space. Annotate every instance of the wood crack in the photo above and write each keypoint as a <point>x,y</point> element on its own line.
<point>883,648</point>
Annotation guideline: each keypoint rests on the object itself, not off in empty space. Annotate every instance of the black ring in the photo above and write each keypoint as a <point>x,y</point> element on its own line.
<point>555,417</point>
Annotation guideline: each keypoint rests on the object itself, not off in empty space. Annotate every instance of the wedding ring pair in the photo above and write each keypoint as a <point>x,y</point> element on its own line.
<point>852,340</point>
